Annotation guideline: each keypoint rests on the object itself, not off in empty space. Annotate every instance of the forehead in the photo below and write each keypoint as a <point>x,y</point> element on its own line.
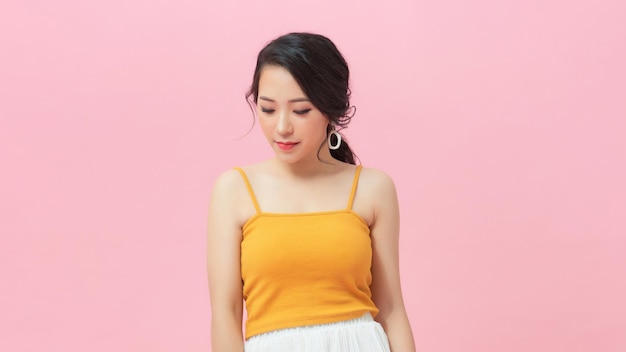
<point>277,83</point>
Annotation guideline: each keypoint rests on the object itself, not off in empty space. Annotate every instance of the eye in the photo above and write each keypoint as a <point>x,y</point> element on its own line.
<point>267,111</point>
<point>301,112</point>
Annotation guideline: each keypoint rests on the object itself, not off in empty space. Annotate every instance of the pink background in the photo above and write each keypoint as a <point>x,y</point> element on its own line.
<point>503,123</point>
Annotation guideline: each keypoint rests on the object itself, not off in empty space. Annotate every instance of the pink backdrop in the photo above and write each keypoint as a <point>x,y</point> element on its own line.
<point>503,123</point>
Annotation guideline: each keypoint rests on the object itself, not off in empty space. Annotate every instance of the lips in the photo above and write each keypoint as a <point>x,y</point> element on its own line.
<point>286,145</point>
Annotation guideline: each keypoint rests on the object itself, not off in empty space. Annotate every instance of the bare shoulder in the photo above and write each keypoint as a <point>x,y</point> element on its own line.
<point>376,195</point>
<point>227,182</point>
<point>376,181</point>
<point>229,194</point>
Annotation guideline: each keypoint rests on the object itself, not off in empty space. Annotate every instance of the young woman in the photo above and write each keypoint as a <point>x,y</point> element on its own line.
<point>308,239</point>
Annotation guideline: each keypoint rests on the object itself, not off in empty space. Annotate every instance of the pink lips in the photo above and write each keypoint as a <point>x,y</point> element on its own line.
<point>286,145</point>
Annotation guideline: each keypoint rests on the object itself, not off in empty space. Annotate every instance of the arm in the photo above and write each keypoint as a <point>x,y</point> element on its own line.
<point>386,288</point>
<point>223,264</point>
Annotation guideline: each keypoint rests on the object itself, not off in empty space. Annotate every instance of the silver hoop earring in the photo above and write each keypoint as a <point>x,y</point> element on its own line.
<point>330,143</point>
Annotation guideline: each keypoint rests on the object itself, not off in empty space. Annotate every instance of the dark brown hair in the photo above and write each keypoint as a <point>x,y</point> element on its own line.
<point>322,73</point>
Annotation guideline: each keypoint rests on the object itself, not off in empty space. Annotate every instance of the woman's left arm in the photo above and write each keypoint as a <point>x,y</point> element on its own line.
<point>386,287</point>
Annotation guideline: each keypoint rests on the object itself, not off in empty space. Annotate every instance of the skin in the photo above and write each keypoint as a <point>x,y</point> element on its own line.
<point>296,180</point>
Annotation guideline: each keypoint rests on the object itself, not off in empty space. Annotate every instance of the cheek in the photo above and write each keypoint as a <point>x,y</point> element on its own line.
<point>266,125</point>
<point>322,125</point>
<point>311,127</point>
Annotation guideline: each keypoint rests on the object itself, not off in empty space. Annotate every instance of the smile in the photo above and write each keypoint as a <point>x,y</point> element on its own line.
<point>286,145</point>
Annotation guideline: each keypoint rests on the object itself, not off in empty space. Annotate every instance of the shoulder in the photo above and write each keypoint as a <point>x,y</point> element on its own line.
<point>376,181</point>
<point>376,195</point>
<point>379,190</point>
<point>228,180</point>
<point>379,187</point>
<point>230,198</point>
<point>236,176</point>
<point>229,188</point>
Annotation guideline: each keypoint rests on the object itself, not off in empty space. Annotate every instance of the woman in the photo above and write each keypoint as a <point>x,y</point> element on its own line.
<point>308,239</point>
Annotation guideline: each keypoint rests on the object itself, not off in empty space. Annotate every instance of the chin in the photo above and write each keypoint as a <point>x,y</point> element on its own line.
<point>289,159</point>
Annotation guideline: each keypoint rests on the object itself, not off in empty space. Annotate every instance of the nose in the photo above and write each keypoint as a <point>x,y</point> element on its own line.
<point>283,126</point>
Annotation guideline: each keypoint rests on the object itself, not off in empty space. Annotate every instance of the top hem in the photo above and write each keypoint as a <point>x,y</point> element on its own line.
<point>305,322</point>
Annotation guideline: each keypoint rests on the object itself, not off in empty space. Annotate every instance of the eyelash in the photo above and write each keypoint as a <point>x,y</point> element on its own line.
<point>302,112</point>
<point>297,112</point>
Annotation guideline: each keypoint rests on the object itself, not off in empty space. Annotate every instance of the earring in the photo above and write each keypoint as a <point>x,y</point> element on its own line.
<point>330,137</point>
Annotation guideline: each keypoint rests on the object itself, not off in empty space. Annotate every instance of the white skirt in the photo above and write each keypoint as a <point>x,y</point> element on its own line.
<point>362,334</point>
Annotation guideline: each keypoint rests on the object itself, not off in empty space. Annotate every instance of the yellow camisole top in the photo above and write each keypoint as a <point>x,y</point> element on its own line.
<point>305,268</point>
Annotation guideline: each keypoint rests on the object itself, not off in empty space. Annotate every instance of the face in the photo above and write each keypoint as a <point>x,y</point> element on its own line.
<point>292,125</point>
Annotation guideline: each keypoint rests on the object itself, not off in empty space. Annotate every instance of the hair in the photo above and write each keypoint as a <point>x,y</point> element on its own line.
<point>322,73</point>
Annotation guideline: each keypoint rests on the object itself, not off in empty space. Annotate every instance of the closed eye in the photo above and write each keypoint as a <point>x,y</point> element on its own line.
<point>302,112</point>
<point>267,111</point>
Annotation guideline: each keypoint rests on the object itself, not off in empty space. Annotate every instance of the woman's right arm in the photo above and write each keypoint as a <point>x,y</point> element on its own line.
<point>223,265</point>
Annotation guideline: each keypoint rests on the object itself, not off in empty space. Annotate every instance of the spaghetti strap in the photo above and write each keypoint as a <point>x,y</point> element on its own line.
<point>354,186</point>
<point>250,191</point>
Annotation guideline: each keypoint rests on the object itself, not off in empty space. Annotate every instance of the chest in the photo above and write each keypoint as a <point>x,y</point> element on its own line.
<point>315,243</point>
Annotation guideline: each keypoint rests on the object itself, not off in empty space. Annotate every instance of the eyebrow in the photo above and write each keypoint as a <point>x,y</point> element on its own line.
<point>296,100</point>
